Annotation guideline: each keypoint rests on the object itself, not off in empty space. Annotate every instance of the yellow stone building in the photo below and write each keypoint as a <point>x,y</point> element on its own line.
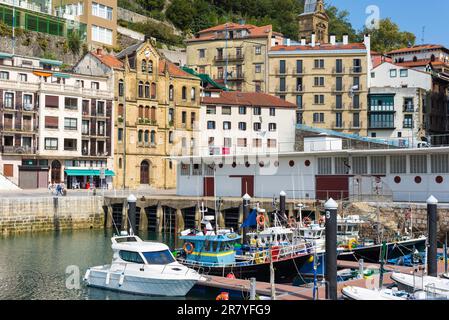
<point>328,83</point>
<point>234,54</point>
<point>157,107</point>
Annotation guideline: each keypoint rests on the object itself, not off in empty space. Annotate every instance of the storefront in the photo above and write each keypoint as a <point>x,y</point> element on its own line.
<point>82,178</point>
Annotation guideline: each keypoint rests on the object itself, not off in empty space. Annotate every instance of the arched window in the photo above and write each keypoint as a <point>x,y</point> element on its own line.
<point>144,66</point>
<point>153,90</point>
<point>139,136</point>
<point>147,90</point>
<point>121,88</point>
<point>140,89</point>
<point>144,172</point>
<point>171,92</point>
<point>153,137</point>
<point>140,111</point>
<point>147,112</point>
<point>150,66</point>
<point>146,136</point>
<point>415,58</point>
<point>119,163</point>
<point>193,94</point>
<point>184,93</point>
<point>432,58</point>
<point>153,113</point>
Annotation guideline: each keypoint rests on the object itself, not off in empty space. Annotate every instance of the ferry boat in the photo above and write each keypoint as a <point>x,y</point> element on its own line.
<point>142,267</point>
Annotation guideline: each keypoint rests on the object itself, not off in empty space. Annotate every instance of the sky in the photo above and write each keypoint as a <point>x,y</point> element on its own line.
<point>410,15</point>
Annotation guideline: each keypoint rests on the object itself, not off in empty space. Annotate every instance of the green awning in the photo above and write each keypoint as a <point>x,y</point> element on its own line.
<point>5,55</point>
<point>62,75</point>
<point>88,172</point>
<point>51,62</point>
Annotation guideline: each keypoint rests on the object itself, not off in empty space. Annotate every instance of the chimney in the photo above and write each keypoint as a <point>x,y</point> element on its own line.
<point>333,40</point>
<point>313,39</point>
<point>303,41</point>
<point>99,51</point>
<point>345,39</point>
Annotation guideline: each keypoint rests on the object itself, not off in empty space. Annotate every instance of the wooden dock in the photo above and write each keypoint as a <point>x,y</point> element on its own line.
<point>289,292</point>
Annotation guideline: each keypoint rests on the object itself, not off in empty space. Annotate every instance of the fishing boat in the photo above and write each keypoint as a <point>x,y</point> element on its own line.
<point>358,293</point>
<point>142,267</point>
<point>438,287</point>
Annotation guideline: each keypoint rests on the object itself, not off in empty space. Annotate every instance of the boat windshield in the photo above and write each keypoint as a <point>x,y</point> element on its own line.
<point>158,257</point>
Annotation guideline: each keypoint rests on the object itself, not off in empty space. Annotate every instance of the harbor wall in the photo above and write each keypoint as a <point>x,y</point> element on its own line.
<point>32,214</point>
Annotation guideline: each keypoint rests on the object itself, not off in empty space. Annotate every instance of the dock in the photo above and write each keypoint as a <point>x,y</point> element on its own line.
<point>290,292</point>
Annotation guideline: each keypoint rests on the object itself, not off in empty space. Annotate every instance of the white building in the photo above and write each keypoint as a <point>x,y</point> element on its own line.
<point>55,125</point>
<point>398,101</point>
<point>237,123</point>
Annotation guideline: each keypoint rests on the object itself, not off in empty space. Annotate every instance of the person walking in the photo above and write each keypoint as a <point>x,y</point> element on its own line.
<point>58,190</point>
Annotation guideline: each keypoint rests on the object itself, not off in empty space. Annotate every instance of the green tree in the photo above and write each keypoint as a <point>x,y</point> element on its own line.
<point>151,5</point>
<point>339,24</point>
<point>389,37</point>
<point>182,14</point>
<point>74,42</point>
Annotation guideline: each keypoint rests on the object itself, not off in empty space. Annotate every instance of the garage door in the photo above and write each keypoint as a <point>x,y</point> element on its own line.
<point>28,179</point>
<point>336,187</point>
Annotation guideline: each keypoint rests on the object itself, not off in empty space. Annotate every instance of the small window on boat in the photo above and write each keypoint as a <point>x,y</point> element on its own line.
<point>215,246</point>
<point>130,256</point>
<point>126,239</point>
<point>158,257</point>
<point>207,246</point>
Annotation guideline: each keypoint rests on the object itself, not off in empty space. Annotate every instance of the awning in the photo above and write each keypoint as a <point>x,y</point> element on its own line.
<point>42,74</point>
<point>88,172</point>
<point>51,62</point>
<point>62,75</point>
<point>5,55</point>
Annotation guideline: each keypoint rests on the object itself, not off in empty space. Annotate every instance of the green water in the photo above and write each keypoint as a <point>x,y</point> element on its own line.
<point>33,266</point>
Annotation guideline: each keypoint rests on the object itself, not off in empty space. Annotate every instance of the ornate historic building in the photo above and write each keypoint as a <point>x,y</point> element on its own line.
<point>314,20</point>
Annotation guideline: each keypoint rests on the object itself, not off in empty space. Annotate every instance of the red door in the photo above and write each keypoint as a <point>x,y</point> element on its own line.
<point>248,185</point>
<point>336,187</point>
<point>209,187</point>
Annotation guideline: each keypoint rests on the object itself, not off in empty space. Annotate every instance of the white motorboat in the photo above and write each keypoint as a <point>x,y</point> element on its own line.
<point>358,293</point>
<point>433,285</point>
<point>142,267</point>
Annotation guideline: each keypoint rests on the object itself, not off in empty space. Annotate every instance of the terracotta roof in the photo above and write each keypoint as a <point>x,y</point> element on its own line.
<point>174,70</point>
<point>254,31</point>
<point>418,48</point>
<point>248,99</point>
<point>108,59</point>
<point>350,46</point>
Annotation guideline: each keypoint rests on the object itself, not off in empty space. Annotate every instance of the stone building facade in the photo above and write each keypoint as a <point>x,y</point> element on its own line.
<point>315,21</point>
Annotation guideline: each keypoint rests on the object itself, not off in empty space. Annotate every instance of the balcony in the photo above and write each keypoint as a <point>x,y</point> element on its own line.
<point>338,108</point>
<point>282,72</point>
<point>407,125</point>
<point>356,70</point>
<point>356,125</point>
<point>408,108</point>
<point>338,70</point>
<point>299,88</point>
<point>338,88</point>
<point>355,107</point>
<point>340,125</point>
<point>229,57</point>
<point>236,76</point>
<point>282,89</point>
<point>18,149</point>
<point>356,87</point>
<point>387,125</point>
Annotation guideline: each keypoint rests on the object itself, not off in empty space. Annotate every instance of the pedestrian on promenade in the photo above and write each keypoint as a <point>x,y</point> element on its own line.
<point>58,189</point>
<point>88,185</point>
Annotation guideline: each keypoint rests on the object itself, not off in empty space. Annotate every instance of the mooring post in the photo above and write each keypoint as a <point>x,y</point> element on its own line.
<point>246,201</point>
<point>282,197</point>
<point>361,267</point>
<point>432,262</point>
<point>445,255</point>
<point>331,249</point>
<point>131,213</point>
<point>252,289</point>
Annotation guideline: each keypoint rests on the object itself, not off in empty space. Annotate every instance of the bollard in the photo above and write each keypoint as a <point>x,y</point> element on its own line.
<point>252,289</point>
<point>361,268</point>
<point>331,249</point>
<point>282,197</point>
<point>131,214</point>
<point>432,262</point>
<point>246,201</point>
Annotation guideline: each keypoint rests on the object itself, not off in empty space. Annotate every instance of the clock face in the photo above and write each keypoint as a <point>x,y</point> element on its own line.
<point>147,53</point>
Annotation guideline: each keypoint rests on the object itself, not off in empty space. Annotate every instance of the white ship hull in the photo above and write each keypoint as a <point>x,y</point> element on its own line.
<point>357,293</point>
<point>437,286</point>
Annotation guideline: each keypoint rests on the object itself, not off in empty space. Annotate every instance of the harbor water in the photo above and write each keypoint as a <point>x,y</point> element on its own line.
<point>34,266</point>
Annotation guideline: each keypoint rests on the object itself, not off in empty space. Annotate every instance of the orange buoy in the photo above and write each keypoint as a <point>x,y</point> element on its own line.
<point>261,220</point>
<point>223,296</point>
<point>230,276</point>
<point>307,221</point>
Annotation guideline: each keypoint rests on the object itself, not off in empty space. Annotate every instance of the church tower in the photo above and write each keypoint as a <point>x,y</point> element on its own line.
<point>314,20</point>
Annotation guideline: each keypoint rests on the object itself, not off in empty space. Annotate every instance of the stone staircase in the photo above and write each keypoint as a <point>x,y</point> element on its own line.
<point>7,185</point>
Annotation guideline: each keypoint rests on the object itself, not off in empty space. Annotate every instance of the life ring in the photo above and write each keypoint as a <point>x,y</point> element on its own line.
<point>261,220</point>
<point>260,257</point>
<point>307,221</point>
<point>188,247</point>
<point>223,296</point>
<point>352,243</point>
<point>322,220</point>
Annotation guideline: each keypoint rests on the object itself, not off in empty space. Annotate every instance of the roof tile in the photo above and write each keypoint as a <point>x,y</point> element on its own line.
<point>248,99</point>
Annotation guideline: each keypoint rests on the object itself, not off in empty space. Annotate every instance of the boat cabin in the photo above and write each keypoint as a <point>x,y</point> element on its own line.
<point>275,236</point>
<point>210,249</point>
<point>348,228</point>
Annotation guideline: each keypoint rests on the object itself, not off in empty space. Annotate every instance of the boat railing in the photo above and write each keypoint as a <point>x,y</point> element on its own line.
<point>434,291</point>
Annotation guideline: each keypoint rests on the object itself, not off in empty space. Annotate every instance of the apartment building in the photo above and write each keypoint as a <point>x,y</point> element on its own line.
<point>99,16</point>
<point>43,116</point>
<point>234,55</point>
<point>157,107</point>
<point>327,82</point>
<point>246,123</point>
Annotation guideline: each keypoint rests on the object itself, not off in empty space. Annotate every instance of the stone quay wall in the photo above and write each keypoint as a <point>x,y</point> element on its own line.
<point>32,214</point>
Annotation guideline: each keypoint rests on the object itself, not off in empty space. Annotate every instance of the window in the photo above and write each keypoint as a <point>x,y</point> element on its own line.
<point>184,117</point>
<point>185,169</point>
<point>257,143</point>
<point>71,103</point>
<point>51,101</point>
<point>70,144</point>
<point>226,110</point>
<point>171,116</point>
<point>120,134</point>
<point>356,120</point>
<point>418,163</point>
<point>241,142</point>
<point>257,126</point>
<point>211,110</point>
<point>378,165</point>
<point>85,127</point>
<point>359,165</point>
<point>299,101</point>
<point>27,101</point>
<point>140,136</point>
<point>146,136</point>
<point>23,77</point>
<point>130,256</point>
<point>153,137</point>
<point>102,35</point>
<point>171,93</point>
<point>159,257</point>
<point>258,86</point>
<point>202,53</point>
<point>319,99</point>
<point>101,11</point>
<point>373,75</point>
<point>393,73</point>
<point>272,127</point>
<point>51,122</point>
<point>325,166</point>
<point>227,142</point>
<point>257,111</point>
<point>356,101</point>
<point>242,126</point>
<point>51,144</point>
<point>211,125</point>
<point>193,94</point>
<point>282,86</point>
<point>170,137</point>
<point>144,66</point>
<point>121,88</point>
<point>319,81</point>
<point>342,165</point>
<point>272,112</point>
<point>70,124</point>
<point>299,68</point>
<point>408,121</point>
<point>258,50</point>
<point>140,89</point>
<point>95,85</point>
<point>184,93</point>
<point>271,143</point>
<point>192,119</point>
<point>338,120</point>
<point>282,66</point>
<point>242,110</point>
<point>4,75</point>
<point>318,117</point>
<point>227,125</point>
<point>100,108</point>
<point>357,65</point>
<point>9,100</point>
<point>258,68</point>
<point>101,126</point>
<point>153,90</point>
<point>339,84</point>
<point>150,66</point>
<point>319,64</point>
<point>147,90</point>
<point>338,101</point>
<point>403,73</point>
<point>440,163</point>
<point>339,66</point>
